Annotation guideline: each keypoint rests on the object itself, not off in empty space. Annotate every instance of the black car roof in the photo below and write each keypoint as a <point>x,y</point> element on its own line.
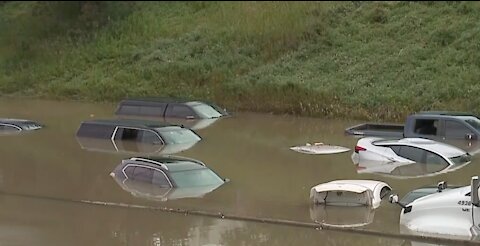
<point>131,122</point>
<point>158,100</point>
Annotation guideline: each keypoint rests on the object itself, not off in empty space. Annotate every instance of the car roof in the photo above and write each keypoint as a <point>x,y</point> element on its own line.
<point>172,163</point>
<point>131,122</point>
<point>18,122</point>
<point>446,113</point>
<point>157,100</point>
<point>422,143</point>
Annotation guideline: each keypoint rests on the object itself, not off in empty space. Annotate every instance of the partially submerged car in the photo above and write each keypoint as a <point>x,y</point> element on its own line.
<point>409,150</point>
<point>9,126</point>
<point>166,178</point>
<point>170,108</point>
<point>350,193</point>
<point>454,212</point>
<point>149,132</point>
<point>426,190</point>
<point>118,146</point>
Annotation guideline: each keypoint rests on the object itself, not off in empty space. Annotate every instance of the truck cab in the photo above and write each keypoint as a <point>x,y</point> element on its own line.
<point>443,125</point>
<point>453,212</point>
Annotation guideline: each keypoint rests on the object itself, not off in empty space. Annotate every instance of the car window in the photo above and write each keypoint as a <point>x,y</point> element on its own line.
<point>455,129</point>
<point>156,110</point>
<point>412,153</point>
<point>395,149</point>
<point>180,111</point>
<point>129,171</point>
<point>149,137</point>
<point>207,111</point>
<point>139,135</point>
<point>194,178</point>
<point>95,130</point>
<point>129,110</point>
<point>432,158</point>
<point>160,180</point>
<point>426,127</point>
<point>142,174</point>
<point>178,135</point>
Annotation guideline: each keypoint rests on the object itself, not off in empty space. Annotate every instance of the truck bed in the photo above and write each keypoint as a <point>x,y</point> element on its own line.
<point>375,129</point>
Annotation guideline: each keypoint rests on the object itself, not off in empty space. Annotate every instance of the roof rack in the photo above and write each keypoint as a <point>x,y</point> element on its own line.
<point>149,161</point>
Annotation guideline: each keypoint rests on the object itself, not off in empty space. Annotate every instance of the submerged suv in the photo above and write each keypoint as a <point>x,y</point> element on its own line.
<point>170,108</point>
<point>166,178</point>
<point>150,132</point>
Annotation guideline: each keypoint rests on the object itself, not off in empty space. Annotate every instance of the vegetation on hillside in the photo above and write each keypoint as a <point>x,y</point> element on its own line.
<point>348,59</point>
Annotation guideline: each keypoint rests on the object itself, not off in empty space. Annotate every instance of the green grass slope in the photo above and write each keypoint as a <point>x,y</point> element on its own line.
<point>370,60</point>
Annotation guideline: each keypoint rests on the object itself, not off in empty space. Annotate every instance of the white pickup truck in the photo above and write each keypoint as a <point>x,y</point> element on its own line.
<point>453,212</point>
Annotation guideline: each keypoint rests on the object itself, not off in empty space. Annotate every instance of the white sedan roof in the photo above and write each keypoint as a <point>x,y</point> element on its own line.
<point>427,144</point>
<point>356,186</point>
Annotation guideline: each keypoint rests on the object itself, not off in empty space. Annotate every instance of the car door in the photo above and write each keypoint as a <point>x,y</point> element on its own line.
<point>457,130</point>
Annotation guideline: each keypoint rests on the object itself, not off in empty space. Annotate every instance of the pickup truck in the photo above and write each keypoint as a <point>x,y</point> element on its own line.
<point>437,125</point>
<point>454,212</point>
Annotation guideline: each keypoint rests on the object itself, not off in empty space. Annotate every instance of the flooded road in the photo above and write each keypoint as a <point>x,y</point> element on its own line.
<point>43,171</point>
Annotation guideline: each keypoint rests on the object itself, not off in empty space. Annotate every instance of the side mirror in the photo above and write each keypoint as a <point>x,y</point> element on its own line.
<point>442,185</point>
<point>393,198</point>
<point>470,136</point>
<point>474,192</point>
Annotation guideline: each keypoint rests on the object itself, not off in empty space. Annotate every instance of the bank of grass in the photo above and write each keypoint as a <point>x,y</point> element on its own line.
<point>367,60</point>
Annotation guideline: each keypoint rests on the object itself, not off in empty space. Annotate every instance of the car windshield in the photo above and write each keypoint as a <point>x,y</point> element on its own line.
<point>178,135</point>
<point>195,178</point>
<point>461,159</point>
<point>206,111</point>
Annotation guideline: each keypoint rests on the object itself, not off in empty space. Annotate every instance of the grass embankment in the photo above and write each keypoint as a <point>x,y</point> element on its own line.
<point>350,59</point>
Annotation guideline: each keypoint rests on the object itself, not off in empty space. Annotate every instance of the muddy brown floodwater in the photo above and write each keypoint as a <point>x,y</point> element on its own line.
<point>44,173</point>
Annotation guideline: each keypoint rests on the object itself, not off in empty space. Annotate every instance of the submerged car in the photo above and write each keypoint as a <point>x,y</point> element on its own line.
<point>426,190</point>
<point>350,193</point>
<point>166,178</point>
<point>118,146</point>
<point>143,131</point>
<point>451,212</point>
<point>170,108</point>
<point>409,150</point>
<point>8,126</point>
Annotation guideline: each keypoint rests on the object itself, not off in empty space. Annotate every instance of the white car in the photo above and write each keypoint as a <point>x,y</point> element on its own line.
<point>453,212</point>
<point>350,193</point>
<point>378,155</point>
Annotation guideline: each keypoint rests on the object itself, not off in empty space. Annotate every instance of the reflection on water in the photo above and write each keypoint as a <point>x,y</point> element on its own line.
<point>252,150</point>
<point>156,193</point>
<point>338,216</point>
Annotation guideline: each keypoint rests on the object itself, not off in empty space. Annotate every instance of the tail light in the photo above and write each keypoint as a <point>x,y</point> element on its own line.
<point>359,168</point>
<point>358,149</point>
